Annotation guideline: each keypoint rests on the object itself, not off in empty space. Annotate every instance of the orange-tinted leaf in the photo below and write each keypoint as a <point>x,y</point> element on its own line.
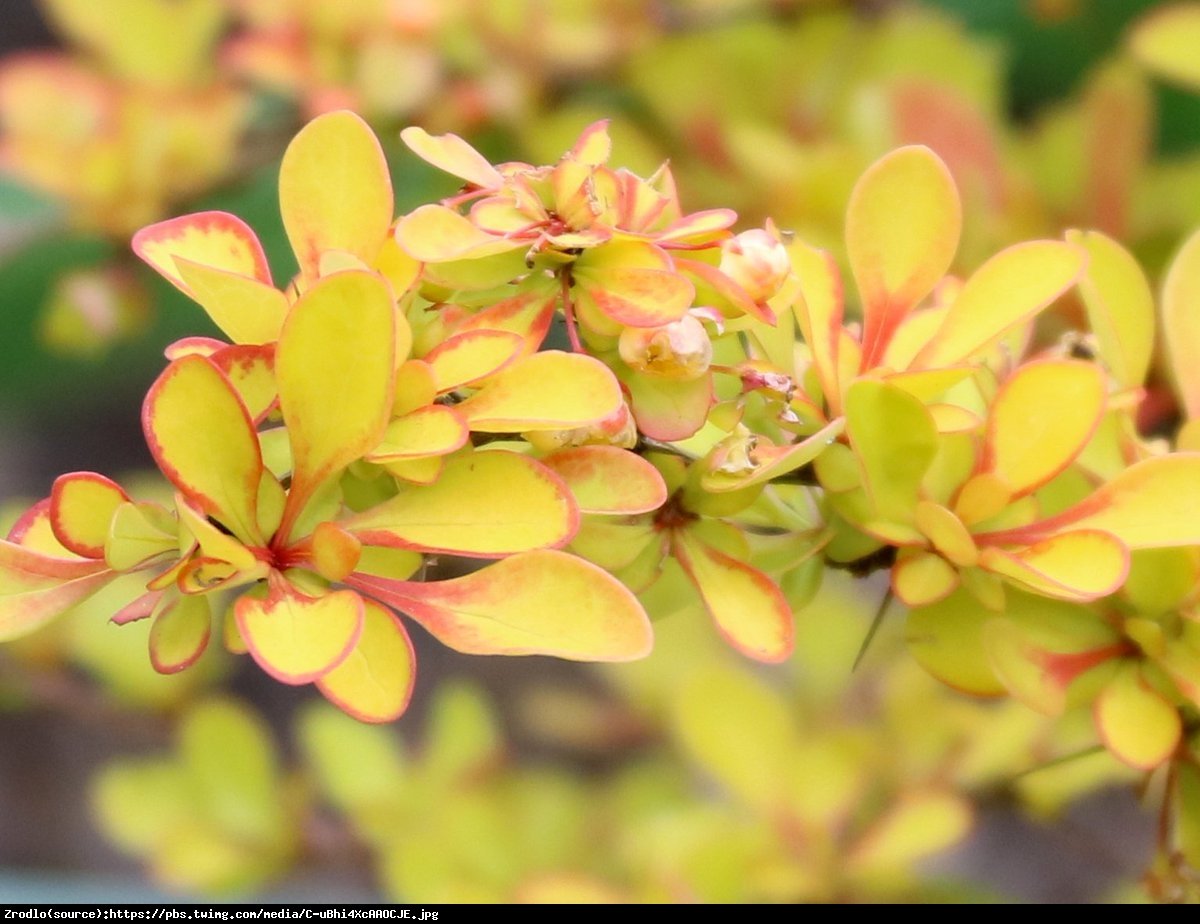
<point>335,192</point>
<point>82,505</point>
<point>470,356</point>
<point>1040,420</point>
<point>606,479</point>
<point>1008,290</point>
<point>485,504</point>
<point>1080,565</point>
<point>749,610</point>
<point>375,681</point>
<point>923,578</point>
<point>902,228</point>
<point>450,153</point>
<point>297,638</point>
<point>335,552</point>
<point>214,239</point>
<point>547,391</point>
<point>251,371</point>
<point>36,587</point>
<point>541,602</point>
<point>667,409</point>
<point>203,439</point>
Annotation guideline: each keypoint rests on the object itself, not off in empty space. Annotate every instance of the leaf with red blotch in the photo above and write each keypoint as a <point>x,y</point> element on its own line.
<point>542,602</point>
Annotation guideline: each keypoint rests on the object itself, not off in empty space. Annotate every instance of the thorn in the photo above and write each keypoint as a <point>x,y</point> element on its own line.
<point>875,623</point>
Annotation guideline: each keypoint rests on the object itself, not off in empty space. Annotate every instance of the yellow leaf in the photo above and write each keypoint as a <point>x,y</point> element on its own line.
<point>547,391</point>
<point>818,311</point>
<point>82,506</point>
<point>251,371</point>
<point>450,153</point>
<point>606,479</point>
<point>1040,420</point>
<point>923,578</point>
<point>1120,306</point>
<point>137,533</point>
<point>335,367</point>
<point>1008,290</point>
<point>485,504</point>
<point>1181,324</point>
<point>437,234</point>
<point>1137,724</point>
<point>1165,40</point>
<point>375,681</point>
<point>902,226</point>
<point>335,553</point>
<point>470,356</point>
<point>180,634</point>
<point>214,239</point>
<point>1080,565</point>
<point>748,609</point>
<point>541,602</point>
<point>297,638</point>
<point>335,192</point>
<point>947,533</point>
<point>246,309</point>
<point>203,440</point>
<point>433,430</point>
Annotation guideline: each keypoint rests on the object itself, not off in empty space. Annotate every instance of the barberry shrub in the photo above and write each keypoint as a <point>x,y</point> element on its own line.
<point>613,406</point>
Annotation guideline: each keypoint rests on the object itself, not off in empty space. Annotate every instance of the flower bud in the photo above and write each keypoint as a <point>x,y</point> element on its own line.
<point>679,350</point>
<point>756,261</point>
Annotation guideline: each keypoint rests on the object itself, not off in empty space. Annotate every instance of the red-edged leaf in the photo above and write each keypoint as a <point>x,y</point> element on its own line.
<point>375,682</point>
<point>297,638</point>
<point>180,634</point>
<point>606,479</point>
<point>215,239</point>
<point>36,587</point>
<point>749,610</point>
<point>542,602</point>
<point>82,505</point>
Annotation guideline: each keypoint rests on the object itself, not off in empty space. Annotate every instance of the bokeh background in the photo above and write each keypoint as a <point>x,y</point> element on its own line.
<point>528,778</point>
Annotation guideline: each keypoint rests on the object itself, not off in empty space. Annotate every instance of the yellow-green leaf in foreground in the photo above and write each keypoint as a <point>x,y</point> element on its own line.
<point>485,504</point>
<point>922,824</point>
<point>895,441</point>
<point>1137,724</point>
<point>248,310</point>
<point>375,681</point>
<point>1008,290</point>
<point>335,192</point>
<point>1181,324</point>
<point>203,440</point>
<point>335,368</point>
<point>748,609</point>
<point>946,638</point>
<point>543,602</point>
<point>551,390</point>
<point>718,705</point>
<point>82,505</point>
<point>1120,306</point>
<point>902,226</point>
<point>297,638</point>
<point>1040,421</point>
<point>433,430</point>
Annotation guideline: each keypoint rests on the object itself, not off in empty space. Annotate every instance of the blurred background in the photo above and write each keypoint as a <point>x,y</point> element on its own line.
<point>689,777</point>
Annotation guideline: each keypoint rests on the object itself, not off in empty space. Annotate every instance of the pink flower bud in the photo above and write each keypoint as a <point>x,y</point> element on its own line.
<point>756,261</point>
<point>679,350</point>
